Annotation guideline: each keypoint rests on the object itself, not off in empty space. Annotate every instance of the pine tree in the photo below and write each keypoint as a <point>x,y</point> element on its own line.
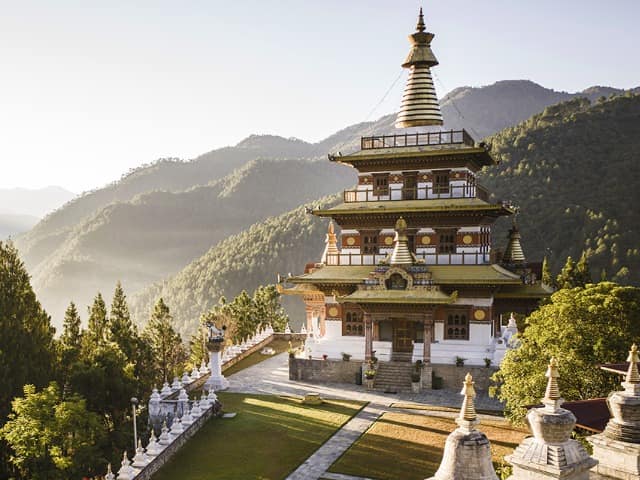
<point>166,344</point>
<point>583,273</point>
<point>121,330</point>
<point>268,309</point>
<point>567,278</point>
<point>97,324</point>
<point>547,278</point>
<point>27,349</point>
<point>71,333</point>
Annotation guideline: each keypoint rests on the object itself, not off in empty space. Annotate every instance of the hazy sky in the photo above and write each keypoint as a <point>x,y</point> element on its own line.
<point>90,89</point>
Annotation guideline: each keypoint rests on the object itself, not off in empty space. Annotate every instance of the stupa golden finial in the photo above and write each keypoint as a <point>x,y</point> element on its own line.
<point>468,410</point>
<point>401,254</point>
<point>420,27</point>
<point>633,376</point>
<point>552,394</point>
<point>331,252</point>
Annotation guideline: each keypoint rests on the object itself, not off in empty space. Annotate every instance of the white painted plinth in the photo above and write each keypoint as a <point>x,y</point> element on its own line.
<point>216,380</point>
<point>616,459</point>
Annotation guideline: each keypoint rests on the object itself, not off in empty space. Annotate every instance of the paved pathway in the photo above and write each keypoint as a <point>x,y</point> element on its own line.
<point>271,376</point>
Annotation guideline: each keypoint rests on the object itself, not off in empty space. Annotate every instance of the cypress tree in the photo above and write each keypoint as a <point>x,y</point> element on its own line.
<point>121,330</point>
<point>547,278</point>
<point>166,344</point>
<point>583,273</point>
<point>567,278</point>
<point>97,324</point>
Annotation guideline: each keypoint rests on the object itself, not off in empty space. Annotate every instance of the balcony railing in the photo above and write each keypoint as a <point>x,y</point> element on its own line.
<point>417,193</point>
<point>447,137</point>
<point>355,259</point>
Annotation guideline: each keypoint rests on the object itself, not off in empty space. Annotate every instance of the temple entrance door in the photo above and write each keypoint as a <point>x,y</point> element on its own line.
<point>403,336</point>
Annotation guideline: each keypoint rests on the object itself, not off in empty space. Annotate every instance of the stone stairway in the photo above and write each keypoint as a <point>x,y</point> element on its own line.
<point>393,377</point>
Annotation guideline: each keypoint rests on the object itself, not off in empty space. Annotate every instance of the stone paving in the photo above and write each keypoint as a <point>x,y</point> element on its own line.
<point>271,376</point>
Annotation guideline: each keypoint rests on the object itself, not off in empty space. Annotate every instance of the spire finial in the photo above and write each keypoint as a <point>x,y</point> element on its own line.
<point>330,254</point>
<point>420,26</point>
<point>633,376</point>
<point>468,410</point>
<point>401,254</point>
<point>552,395</point>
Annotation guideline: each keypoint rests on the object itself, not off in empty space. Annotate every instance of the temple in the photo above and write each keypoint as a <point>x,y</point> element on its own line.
<point>411,274</point>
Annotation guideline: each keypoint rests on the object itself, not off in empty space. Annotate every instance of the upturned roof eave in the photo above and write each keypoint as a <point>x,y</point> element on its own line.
<point>403,153</point>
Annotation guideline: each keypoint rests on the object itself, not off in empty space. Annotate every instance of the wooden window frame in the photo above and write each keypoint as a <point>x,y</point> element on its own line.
<point>456,325</point>
<point>380,184</point>
<point>441,181</point>
<point>353,323</point>
<point>369,242</point>
<point>447,240</point>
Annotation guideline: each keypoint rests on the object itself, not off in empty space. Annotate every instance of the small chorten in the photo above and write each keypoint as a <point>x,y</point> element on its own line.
<point>617,448</point>
<point>140,460</point>
<point>467,452</point>
<point>126,471</point>
<point>419,103</point>
<point>551,453</point>
<point>401,254</point>
<point>513,254</point>
<point>329,256</point>
<point>109,475</point>
<point>164,438</point>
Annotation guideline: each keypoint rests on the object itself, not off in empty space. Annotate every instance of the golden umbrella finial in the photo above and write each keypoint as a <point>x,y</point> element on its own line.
<point>468,410</point>
<point>553,392</point>
<point>420,27</point>
<point>633,376</point>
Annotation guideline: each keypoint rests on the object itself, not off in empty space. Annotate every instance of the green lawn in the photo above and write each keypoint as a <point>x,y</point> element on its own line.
<point>409,447</point>
<point>279,345</point>
<point>267,440</point>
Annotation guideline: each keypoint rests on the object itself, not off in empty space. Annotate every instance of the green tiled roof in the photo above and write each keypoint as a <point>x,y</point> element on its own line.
<point>397,296</point>
<point>402,206</point>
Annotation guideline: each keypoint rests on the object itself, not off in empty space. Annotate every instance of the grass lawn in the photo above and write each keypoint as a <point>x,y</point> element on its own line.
<point>267,440</point>
<point>279,345</point>
<point>405,447</point>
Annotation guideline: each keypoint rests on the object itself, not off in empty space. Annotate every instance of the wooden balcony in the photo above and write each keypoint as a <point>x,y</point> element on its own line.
<point>447,137</point>
<point>357,259</point>
<point>417,193</point>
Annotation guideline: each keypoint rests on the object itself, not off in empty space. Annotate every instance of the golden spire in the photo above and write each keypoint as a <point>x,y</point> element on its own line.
<point>401,254</point>
<point>514,253</point>
<point>419,103</point>
<point>331,252</point>
<point>468,410</point>
<point>552,395</point>
<point>468,418</point>
<point>632,374</point>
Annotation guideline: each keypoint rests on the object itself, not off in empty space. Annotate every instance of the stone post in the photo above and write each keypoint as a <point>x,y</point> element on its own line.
<point>216,380</point>
<point>368,337</point>
<point>617,448</point>
<point>551,453</point>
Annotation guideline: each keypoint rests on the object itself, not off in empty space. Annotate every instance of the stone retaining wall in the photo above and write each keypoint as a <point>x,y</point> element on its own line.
<point>323,370</point>
<point>147,472</point>
<point>453,376</point>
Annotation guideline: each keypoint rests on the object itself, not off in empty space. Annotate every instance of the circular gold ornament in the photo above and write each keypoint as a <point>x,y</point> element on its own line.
<point>426,240</point>
<point>479,314</point>
<point>333,311</point>
<point>467,239</point>
<point>351,241</point>
<point>388,241</point>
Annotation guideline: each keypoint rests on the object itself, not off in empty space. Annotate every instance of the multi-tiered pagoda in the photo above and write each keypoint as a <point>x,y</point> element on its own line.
<point>413,276</point>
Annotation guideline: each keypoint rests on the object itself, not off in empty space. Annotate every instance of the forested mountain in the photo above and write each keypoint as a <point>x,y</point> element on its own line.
<point>244,261</point>
<point>573,171</point>
<point>570,169</point>
<point>156,234</point>
<point>160,217</point>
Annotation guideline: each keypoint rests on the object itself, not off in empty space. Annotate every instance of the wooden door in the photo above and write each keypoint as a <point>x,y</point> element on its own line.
<point>409,187</point>
<point>403,335</point>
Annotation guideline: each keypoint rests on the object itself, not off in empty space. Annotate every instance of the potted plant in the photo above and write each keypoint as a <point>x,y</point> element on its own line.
<point>346,356</point>
<point>487,362</point>
<point>460,361</point>
<point>369,376</point>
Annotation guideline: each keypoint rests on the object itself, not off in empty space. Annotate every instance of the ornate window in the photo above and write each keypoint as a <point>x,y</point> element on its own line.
<point>369,242</point>
<point>441,181</point>
<point>446,241</point>
<point>353,324</point>
<point>381,184</point>
<point>456,326</point>
<point>396,282</point>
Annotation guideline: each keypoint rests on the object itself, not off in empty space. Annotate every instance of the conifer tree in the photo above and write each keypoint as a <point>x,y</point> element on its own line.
<point>166,344</point>
<point>547,278</point>
<point>97,324</point>
<point>567,276</point>
<point>268,309</point>
<point>121,330</point>
<point>70,343</point>
<point>27,350</point>
<point>583,273</point>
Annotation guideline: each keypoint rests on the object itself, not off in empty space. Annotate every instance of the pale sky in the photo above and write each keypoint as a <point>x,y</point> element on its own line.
<point>91,89</point>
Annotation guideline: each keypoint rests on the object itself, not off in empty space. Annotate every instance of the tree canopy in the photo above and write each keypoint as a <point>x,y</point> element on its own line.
<point>582,327</point>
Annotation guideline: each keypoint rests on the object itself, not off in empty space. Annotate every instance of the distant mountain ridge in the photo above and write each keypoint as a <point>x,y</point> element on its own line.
<point>34,202</point>
<point>159,217</point>
<point>12,224</point>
